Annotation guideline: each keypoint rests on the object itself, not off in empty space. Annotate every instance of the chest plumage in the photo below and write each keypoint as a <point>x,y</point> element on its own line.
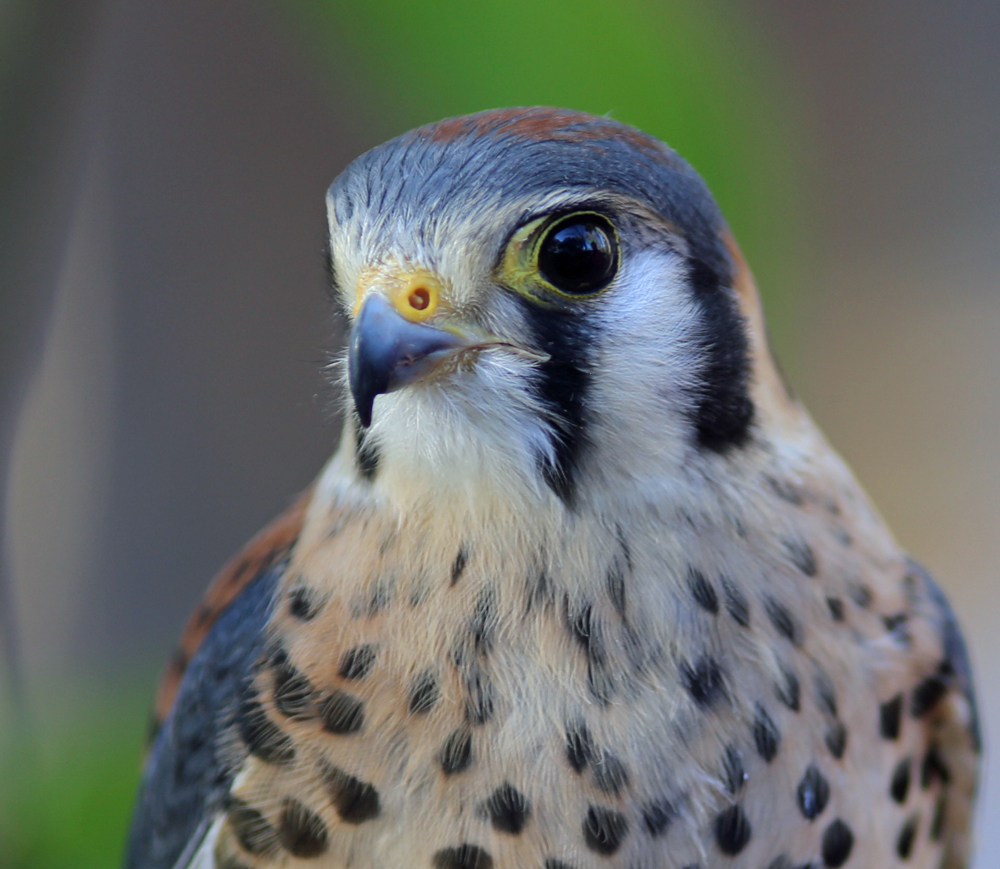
<point>595,593</point>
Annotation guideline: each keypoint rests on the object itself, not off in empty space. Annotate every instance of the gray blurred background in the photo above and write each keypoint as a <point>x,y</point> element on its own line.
<point>164,325</point>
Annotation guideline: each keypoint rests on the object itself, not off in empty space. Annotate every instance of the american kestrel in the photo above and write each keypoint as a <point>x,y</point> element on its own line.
<point>583,585</point>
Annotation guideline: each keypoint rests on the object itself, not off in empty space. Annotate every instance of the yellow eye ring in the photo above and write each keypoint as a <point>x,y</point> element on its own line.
<point>572,255</point>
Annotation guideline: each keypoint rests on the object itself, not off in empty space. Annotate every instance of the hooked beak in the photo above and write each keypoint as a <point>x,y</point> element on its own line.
<point>387,352</point>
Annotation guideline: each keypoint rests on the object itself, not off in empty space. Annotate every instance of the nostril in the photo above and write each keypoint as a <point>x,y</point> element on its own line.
<point>419,299</point>
<point>416,296</point>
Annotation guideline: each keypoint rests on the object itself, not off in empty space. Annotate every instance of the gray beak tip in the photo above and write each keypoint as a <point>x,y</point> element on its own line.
<point>387,352</point>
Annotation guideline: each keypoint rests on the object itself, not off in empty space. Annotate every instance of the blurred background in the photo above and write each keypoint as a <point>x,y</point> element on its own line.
<point>163,323</point>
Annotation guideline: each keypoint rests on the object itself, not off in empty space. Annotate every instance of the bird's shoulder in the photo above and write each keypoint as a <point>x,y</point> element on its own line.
<point>267,548</point>
<point>945,700</point>
<point>189,770</point>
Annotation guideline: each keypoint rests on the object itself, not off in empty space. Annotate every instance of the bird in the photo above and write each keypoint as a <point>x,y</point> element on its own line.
<point>583,585</point>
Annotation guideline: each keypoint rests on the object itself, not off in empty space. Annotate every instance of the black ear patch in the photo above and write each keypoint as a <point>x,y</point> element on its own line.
<point>562,385</point>
<point>723,410</point>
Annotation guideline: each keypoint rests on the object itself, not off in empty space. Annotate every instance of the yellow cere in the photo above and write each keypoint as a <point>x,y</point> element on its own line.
<point>415,295</point>
<point>416,298</point>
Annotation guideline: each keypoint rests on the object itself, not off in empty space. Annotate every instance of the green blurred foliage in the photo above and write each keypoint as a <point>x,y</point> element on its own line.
<point>69,774</point>
<point>694,73</point>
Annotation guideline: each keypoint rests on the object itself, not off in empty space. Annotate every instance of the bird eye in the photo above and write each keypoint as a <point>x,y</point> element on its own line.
<point>578,254</point>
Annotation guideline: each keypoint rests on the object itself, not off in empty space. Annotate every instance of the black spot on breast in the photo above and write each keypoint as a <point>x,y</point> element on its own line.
<point>937,822</point>
<point>893,622</point>
<point>581,625</point>
<point>802,556</point>
<point>341,713</point>
<point>781,620</point>
<point>657,815</point>
<point>463,857</point>
<point>788,689</point>
<point>456,755</point>
<point>610,774</point>
<point>899,786</point>
<point>355,801</point>
<point>932,768</point>
<point>261,735</point>
<point>458,565</point>
<point>380,595</point>
<point>539,590</point>
<point>703,680</point>
<point>552,863</point>
<point>424,693</point>
<point>736,603</point>
<point>626,549</point>
<point>898,626</point>
<point>733,773</point>
<point>813,793</point>
<point>782,861</point>
<point>480,701</point>
<point>836,739</point>
<point>304,603</point>
<point>600,683</point>
<point>562,385</point>
<point>579,746</point>
<point>702,591</point>
<point>301,831</point>
<point>861,595</point>
<point>732,830</point>
<point>252,830</point>
<point>585,629</point>
<point>765,734</point>
<point>907,835</point>
<point>366,454</point>
<point>838,841</point>
<point>927,695</point>
<point>615,584</point>
<point>836,607</point>
<point>786,491</point>
<point>357,663</point>
<point>507,808</point>
<point>483,621</point>
<point>890,716</point>
<point>723,409</point>
<point>826,694</point>
<point>293,693</point>
<point>274,656</point>
<point>604,830</point>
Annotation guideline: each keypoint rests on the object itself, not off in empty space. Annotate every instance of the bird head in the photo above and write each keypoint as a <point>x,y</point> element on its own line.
<point>546,301</point>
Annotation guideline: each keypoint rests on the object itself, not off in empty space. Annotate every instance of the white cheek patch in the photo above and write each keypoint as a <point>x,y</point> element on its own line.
<point>645,369</point>
<point>475,430</point>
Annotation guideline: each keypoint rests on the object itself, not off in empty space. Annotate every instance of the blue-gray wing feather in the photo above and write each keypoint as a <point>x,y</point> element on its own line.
<point>188,774</point>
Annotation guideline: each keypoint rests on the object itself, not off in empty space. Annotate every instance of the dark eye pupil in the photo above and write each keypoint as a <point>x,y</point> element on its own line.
<point>578,255</point>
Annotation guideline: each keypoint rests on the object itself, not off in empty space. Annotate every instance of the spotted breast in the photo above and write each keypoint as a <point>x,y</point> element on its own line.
<point>583,585</point>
